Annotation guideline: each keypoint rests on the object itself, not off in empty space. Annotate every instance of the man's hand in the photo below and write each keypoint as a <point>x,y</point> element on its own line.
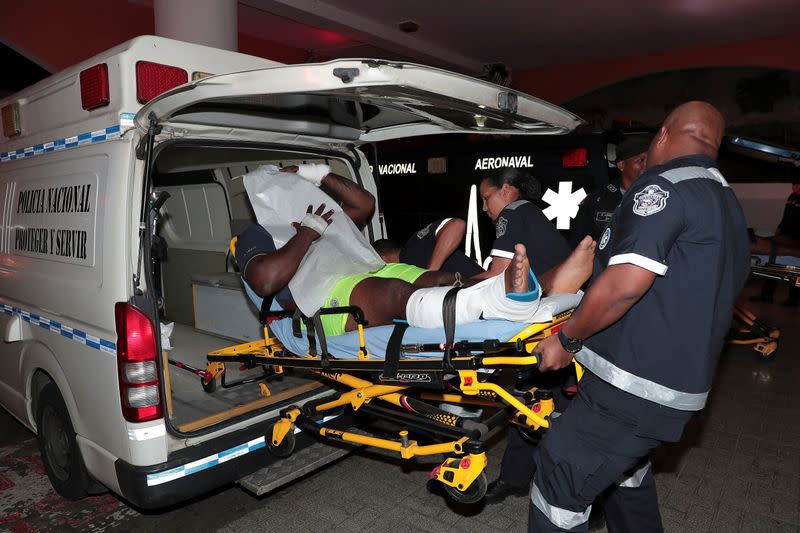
<point>552,356</point>
<point>314,224</point>
<point>311,172</point>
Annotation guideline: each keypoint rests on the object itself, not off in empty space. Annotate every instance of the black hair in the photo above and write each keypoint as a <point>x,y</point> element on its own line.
<point>385,246</point>
<point>529,187</point>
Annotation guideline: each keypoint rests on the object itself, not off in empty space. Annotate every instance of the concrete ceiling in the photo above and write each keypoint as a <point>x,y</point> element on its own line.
<point>465,34</point>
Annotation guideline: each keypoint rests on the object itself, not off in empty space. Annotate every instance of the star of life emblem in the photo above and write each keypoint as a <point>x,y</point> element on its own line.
<point>605,238</point>
<point>650,200</point>
<point>501,227</point>
<point>424,231</point>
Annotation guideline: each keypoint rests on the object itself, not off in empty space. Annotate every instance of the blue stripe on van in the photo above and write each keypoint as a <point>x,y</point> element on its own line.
<point>60,329</point>
<point>199,465</point>
<point>165,476</point>
<point>111,132</point>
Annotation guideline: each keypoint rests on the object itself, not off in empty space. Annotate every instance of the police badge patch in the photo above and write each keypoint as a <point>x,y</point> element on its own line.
<point>650,200</point>
<point>605,238</point>
<point>424,231</point>
<point>500,228</point>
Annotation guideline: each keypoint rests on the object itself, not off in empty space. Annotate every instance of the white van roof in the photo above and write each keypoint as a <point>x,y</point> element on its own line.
<point>353,100</point>
<point>50,111</point>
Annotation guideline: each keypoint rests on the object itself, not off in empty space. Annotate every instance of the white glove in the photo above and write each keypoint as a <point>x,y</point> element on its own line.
<point>315,222</point>
<point>313,172</point>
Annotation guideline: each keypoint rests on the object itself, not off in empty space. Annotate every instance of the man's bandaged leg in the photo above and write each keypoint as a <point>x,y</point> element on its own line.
<point>486,299</point>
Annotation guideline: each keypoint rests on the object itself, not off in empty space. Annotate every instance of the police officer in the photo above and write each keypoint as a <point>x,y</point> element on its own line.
<point>434,247</point>
<point>596,209</point>
<point>648,331</point>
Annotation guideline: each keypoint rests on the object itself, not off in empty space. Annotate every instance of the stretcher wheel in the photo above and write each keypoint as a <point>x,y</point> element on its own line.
<point>285,448</point>
<point>210,386</point>
<point>530,436</point>
<point>475,492</point>
<point>767,349</point>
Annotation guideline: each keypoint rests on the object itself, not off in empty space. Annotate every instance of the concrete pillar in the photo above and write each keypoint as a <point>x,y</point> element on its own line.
<point>208,22</point>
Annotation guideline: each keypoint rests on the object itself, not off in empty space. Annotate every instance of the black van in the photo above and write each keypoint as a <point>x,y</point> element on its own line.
<point>426,178</point>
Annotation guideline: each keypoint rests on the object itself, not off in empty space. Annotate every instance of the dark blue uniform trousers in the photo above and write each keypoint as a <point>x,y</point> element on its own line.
<point>596,445</point>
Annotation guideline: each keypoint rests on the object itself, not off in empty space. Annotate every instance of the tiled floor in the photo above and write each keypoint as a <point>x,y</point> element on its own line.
<point>736,470</point>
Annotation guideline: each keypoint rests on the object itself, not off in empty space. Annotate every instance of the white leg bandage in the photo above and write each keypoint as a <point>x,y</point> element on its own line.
<point>486,299</point>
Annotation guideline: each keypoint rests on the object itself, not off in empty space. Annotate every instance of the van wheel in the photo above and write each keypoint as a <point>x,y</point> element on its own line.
<point>58,447</point>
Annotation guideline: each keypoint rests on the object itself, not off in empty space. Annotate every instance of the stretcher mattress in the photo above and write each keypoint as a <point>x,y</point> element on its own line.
<point>787,260</point>
<point>376,338</point>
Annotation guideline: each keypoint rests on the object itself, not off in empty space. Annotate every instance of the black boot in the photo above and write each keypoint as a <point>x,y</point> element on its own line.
<point>499,490</point>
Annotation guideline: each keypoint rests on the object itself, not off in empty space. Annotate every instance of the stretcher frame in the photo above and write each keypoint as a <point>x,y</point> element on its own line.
<point>753,331</point>
<point>406,385</point>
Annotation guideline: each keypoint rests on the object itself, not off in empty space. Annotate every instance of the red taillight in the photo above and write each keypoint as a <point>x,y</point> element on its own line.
<point>575,158</point>
<point>153,79</point>
<point>94,87</point>
<point>136,359</point>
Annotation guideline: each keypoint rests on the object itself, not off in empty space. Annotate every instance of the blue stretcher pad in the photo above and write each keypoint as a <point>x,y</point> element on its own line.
<point>787,260</point>
<point>376,338</point>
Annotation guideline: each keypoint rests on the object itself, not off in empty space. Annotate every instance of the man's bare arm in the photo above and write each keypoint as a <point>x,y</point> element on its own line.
<point>269,273</point>
<point>447,241</point>
<point>609,297</point>
<point>357,202</point>
<point>617,289</point>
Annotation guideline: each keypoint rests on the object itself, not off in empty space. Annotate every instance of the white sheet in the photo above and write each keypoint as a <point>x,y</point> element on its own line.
<point>280,198</point>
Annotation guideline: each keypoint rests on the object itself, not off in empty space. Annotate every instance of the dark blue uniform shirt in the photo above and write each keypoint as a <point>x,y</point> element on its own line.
<point>419,249</point>
<point>523,222</point>
<point>682,222</point>
<point>595,213</point>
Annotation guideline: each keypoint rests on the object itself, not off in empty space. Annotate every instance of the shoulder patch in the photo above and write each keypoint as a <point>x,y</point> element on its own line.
<point>611,187</point>
<point>500,228</point>
<point>605,238</point>
<point>424,231</point>
<point>650,200</point>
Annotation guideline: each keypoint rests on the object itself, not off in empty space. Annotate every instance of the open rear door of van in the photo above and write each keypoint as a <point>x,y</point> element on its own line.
<point>354,100</point>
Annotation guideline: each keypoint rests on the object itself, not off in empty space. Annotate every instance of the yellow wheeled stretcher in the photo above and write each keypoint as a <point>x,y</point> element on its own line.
<point>753,331</point>
<point>409,382</point>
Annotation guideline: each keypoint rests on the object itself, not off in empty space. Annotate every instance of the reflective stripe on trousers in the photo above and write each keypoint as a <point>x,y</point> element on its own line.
<point>563,518</point>
<point>639,386</point>
<point>634,481</point>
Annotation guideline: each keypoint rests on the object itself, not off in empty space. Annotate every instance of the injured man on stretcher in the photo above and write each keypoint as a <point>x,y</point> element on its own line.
<point>307,252</point>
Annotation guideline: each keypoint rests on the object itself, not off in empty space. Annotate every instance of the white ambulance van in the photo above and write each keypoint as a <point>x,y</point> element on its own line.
<point>100,269</point>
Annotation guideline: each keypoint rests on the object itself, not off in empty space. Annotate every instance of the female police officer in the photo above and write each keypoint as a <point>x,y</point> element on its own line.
<point>506,199</point>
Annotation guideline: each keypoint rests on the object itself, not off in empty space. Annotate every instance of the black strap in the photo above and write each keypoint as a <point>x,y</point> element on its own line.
<point>310,335</point>
<point>297,331</point>
<point>323,342</point>
<point>393,348</point>
<point>266,303</point>
<point>449,319</point>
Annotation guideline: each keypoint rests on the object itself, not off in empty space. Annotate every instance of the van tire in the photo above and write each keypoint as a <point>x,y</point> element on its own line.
<point>58,447</point>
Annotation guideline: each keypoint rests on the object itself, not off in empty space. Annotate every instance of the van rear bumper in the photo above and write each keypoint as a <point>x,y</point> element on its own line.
<point>202,468</point>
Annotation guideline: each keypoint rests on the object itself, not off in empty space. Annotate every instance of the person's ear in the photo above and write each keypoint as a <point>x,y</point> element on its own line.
<point>507,191</point>
<point>620,165</point>
<point>661,138</point>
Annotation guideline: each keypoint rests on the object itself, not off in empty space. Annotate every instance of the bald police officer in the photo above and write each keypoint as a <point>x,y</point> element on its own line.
<point>648,331</point>
<point>596,209</point>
